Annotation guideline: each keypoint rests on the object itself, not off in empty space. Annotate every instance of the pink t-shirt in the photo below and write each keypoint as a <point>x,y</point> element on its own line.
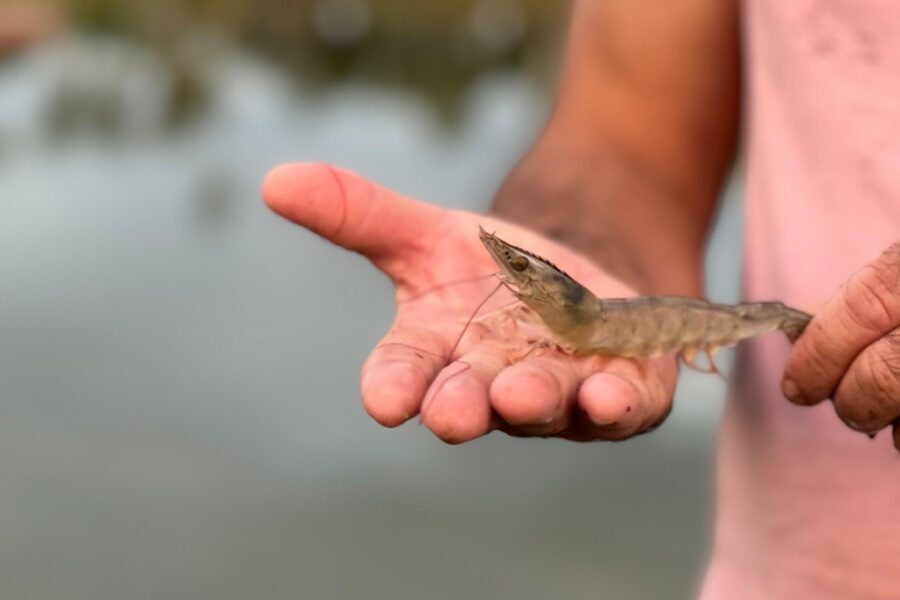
<point>807,507</point>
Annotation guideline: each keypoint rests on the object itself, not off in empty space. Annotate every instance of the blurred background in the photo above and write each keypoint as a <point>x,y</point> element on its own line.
<point>179,415</point>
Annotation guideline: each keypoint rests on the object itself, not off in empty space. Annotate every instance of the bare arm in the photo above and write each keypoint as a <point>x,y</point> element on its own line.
<point>629,166</point>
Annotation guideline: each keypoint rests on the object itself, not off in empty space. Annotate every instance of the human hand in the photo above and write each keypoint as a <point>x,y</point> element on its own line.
<point>22,23</point>
<point>482,386</point>
<point>850,352</point>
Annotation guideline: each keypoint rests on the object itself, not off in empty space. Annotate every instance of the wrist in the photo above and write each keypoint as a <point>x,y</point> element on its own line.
<point>612,211</point>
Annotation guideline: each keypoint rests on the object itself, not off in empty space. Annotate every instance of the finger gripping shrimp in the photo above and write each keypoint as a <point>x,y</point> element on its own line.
<point>640,327</point>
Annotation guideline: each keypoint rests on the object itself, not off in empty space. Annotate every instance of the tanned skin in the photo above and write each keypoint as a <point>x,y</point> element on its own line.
<point>643,133</point>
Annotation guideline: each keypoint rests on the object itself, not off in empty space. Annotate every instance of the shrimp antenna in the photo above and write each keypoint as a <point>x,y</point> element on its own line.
<point>462,333</point>
<point>472,318</point>
<point>466,366</point>
<point>447,284</point>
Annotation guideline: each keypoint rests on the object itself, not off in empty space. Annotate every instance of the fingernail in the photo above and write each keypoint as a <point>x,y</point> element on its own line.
<point>857,427</point>
<point>854,425</point>
<point>792,392</point>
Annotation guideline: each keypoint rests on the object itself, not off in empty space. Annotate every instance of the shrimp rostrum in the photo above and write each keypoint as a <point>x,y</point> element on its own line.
<point>638,327</point>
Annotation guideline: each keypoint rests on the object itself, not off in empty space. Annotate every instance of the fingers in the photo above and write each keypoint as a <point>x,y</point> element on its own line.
<point>397,374</point>
<point>535,396</point>
<point>347,209</point>
<point>457,407</point>
<point>868,396</point>
<point>540,396</point>
<point>866,308</point>
<point>627,397</point>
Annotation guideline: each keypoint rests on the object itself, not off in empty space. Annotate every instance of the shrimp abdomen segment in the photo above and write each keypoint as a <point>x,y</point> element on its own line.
<point>651,325</point>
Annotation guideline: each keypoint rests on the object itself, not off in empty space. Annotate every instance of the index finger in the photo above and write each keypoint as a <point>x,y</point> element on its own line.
<point>865,309</point>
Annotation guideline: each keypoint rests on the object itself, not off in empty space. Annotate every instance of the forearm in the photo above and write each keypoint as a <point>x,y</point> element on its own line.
<point>643,133</point>
<point>614,209</point>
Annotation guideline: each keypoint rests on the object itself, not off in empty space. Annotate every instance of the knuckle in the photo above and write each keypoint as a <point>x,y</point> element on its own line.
<point>881,374</point>
<point>871,305</point>
<point>893,342</point>
<point>891,257</point>
<point>871,396</point>
<point>874,294</point>
<point>892,353</point>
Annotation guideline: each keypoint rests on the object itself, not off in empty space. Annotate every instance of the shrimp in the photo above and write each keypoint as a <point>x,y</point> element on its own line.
<point>639,327</point>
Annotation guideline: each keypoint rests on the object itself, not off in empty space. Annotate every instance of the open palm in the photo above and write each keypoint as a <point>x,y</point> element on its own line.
<point>498,377</point>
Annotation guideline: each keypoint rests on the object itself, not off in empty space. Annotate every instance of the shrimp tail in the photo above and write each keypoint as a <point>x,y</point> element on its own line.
<point>790,320</point>
<point>794,323</point>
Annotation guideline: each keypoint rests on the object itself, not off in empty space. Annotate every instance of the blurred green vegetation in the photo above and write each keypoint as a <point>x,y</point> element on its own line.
<point>436,48</point>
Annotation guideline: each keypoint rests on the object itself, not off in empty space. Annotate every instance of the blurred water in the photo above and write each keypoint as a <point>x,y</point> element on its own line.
<point>179,415</point>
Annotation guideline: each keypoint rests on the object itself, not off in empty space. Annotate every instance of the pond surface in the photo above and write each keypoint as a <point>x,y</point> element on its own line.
<point>179,415</point>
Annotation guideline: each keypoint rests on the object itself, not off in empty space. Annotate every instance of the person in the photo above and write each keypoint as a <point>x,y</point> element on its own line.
<point>620,188</point>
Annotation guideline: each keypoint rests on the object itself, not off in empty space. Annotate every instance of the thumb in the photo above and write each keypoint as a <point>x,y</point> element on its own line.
<point>347,209</point>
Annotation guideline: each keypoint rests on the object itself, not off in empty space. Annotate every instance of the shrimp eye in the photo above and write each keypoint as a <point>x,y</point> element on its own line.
<point>519,263</point>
